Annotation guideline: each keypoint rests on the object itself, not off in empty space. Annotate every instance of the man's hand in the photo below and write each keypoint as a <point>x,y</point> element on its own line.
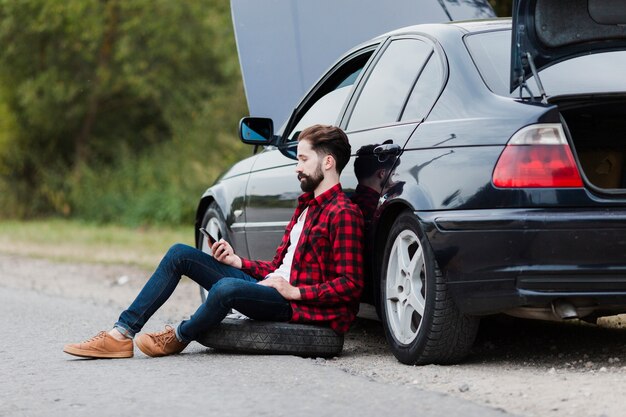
<point>224,253</point>
<point>288,291</point>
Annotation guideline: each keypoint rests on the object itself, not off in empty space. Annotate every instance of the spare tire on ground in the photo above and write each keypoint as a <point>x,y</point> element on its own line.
<point>251,336</point>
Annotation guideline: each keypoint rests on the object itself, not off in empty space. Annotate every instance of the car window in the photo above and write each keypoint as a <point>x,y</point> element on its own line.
<point>425,92</point>
<point>491,52</point>
<point>387,88</point>
<point>325,110</point>
<point>324,107</point>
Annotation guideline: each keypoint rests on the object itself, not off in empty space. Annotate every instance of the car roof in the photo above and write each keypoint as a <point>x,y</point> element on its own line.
<point>483,24</point>
<point>467,26</point>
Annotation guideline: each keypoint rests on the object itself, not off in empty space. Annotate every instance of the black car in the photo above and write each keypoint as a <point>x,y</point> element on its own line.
<point>498,151</point>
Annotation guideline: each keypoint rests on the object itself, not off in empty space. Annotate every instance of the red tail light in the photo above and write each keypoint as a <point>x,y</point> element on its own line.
<point>537,156</point>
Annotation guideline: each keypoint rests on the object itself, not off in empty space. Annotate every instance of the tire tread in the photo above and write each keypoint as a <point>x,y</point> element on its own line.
<point>452,333</point>
<point>251,336</point>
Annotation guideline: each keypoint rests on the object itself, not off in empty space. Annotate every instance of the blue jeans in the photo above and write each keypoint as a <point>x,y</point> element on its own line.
<point>228,288</point>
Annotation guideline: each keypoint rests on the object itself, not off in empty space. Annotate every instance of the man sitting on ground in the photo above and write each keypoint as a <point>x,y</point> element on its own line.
<point>315,277</point>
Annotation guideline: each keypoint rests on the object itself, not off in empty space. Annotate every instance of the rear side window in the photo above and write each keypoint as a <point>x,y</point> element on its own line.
<point>491,52</point>
<point>590,73</point>
<point>425,92</point>
<point>388,87</point>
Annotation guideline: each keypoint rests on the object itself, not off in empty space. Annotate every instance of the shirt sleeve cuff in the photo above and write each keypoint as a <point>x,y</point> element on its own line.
<point>308,292</point>
<point>246,264</point>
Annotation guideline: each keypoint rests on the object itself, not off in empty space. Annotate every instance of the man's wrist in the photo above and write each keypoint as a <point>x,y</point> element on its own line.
<point>296,294</point>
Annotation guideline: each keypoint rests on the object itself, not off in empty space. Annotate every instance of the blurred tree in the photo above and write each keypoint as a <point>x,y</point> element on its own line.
<point>117,110</point>
<point>86,84</point>
<point>502,7</point>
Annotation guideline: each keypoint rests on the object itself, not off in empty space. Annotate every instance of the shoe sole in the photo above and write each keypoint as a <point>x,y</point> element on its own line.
<point>97,355</point>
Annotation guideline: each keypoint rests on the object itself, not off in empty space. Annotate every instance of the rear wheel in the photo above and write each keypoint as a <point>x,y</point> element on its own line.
<point>213,221</point>
<point>422,323</point>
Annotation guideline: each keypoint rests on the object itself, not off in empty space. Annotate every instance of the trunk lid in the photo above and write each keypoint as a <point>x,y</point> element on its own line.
<point>546,32</point>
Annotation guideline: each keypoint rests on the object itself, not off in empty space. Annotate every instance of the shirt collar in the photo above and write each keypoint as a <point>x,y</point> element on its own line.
<point>326,196</point>
<point>365,189</point>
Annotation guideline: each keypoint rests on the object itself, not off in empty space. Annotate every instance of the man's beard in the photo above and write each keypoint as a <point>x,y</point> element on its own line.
<point>309,183</point>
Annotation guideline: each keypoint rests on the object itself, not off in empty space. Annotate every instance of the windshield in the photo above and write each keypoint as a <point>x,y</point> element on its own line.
<point>595,73</point>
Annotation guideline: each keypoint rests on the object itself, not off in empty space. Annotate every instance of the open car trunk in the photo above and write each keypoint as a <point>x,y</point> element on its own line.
<point>597,130</point>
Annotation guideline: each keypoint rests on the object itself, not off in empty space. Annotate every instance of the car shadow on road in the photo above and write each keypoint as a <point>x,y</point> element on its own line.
<point>573,344</point>
<point>520,342</point>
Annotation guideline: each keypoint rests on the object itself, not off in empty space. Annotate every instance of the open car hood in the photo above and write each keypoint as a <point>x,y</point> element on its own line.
<point>551,31</point>
<point>285,46</point>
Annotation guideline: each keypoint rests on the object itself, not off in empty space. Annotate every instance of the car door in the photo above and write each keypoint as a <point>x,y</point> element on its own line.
<point>272,190</point>
<point>396,95</point>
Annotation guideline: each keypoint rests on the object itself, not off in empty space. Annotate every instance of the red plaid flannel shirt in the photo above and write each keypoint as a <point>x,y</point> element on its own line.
<point>328,262</point>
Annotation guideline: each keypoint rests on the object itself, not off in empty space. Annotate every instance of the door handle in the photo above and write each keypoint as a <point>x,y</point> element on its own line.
<point>388,149</point>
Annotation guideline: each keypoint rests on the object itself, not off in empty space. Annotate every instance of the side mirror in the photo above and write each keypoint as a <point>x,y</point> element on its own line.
<point>256,130</point>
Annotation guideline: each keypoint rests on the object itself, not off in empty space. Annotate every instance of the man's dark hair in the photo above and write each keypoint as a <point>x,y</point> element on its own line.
<point>328,140</point>
<point>367,163</point>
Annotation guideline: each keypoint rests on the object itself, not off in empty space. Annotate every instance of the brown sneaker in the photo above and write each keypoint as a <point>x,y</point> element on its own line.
<point>102,345</point>
<point>160,344</point>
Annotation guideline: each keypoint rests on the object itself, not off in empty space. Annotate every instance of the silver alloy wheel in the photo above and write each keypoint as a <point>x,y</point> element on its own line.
<point>405,287</point>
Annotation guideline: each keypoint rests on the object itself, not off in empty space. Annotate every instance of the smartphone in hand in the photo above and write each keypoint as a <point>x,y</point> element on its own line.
<point>212,239</point>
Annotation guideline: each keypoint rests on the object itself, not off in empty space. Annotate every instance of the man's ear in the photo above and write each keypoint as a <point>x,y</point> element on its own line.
<point>329,162</point>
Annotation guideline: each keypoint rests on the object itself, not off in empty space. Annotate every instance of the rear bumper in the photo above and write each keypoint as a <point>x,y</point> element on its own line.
<point>496,260</point>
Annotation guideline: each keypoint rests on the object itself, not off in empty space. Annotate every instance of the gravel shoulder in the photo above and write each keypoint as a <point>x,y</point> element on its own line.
<point>523,367</point>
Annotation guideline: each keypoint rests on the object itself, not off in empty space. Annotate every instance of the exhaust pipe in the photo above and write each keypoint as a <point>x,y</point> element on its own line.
<point>564,310</point>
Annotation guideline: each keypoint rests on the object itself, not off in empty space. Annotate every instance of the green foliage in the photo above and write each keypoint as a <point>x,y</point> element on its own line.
<point>502,7</point>
<point>115,110</point>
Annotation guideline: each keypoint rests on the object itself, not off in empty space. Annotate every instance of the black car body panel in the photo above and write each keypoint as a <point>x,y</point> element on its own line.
<point>496,260</point>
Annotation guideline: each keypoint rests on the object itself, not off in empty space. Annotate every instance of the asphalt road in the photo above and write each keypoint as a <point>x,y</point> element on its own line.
<point>38,379</point>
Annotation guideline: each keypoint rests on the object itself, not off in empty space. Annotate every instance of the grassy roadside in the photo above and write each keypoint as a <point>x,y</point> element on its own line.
<point>75,241</point>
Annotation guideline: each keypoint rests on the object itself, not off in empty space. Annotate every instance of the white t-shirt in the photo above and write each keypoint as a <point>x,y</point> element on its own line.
<point>284,270</point>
